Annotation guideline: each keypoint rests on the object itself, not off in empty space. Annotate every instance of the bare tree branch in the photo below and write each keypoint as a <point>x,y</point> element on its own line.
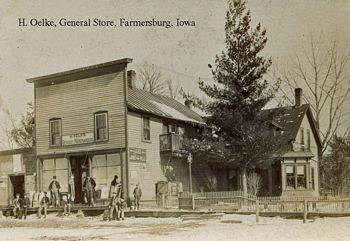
<point>322,68</point>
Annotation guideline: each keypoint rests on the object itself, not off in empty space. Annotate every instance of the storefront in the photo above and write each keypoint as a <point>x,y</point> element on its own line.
<point>72,170</point>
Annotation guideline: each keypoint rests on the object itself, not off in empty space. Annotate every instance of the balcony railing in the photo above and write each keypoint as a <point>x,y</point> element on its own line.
<point>170,142</point>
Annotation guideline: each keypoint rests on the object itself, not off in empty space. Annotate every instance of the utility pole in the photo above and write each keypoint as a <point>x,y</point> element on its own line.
<point>189,160</point>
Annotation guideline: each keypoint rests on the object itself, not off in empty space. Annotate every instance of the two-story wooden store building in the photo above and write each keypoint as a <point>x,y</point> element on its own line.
<point>93,121</point>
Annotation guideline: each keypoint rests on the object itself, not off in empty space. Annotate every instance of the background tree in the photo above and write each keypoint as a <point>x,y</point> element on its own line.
<point>153,80</point>
<point>239,136</point>
<point>336,166</point>
<point>23,132</point>
<point>321,69</point>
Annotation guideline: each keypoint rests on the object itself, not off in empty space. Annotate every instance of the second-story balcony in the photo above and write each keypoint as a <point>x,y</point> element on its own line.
<point>170,142</point>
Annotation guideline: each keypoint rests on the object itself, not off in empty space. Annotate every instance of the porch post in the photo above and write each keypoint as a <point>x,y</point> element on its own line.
<point>270,180</point>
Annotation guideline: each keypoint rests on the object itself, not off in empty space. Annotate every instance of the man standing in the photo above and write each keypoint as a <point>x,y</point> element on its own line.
<point>54,187</point>
<point>115,184</point>
<point>26,204</point>
<point>121,204</point>
<point>89,186</point>
<point>44,201</point>
<point>71,187</point>
<point>17,206</point>
<point>113,206</point>
<point>137,196</point>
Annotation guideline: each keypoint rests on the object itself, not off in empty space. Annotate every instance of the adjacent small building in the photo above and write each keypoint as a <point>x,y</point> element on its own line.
<point>17,174</point>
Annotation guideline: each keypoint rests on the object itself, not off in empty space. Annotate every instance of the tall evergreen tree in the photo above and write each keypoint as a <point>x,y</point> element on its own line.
<point>239,136</point>
<point>335,168</point>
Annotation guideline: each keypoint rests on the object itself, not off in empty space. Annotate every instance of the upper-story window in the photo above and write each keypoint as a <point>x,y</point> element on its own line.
<point>308,136</point>
<point>55,132</point>
<point>146,129</point>
<point>302,144</point>
<point>101,126</point>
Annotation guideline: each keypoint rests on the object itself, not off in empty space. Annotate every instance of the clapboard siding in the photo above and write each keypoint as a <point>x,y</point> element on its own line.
<point>75,103</point>
<point>150,172</point>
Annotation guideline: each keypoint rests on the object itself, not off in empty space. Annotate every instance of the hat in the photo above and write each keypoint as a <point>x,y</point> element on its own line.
<point>116,176</point>
<point>54,177</point>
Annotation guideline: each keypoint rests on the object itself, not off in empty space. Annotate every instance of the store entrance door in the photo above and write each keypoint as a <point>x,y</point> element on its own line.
<point>80,168</point>
<point>17,185</point>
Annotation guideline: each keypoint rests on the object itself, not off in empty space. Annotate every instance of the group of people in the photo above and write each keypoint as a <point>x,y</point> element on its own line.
<point>20,206</point>
<point>116,207</point>
<point>89,186</point>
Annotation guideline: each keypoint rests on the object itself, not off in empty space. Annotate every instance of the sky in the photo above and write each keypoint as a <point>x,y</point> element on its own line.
<point>182,53</point>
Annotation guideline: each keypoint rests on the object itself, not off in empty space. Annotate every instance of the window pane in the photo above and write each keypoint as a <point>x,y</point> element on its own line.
<point>99,173</point>
<point>301,177</point>
<point>101,120</point>
<point>62,177</point>
<point>101,134</point>
<point>101,131</point>
<point>290,176</point>
<point>146,134</point>
<point>301,170</point>
<point>55,132</point>
<point>145,122</point>
<point>48,164</point>
<point>55,139</point>
<point>290,169</point>
<point>61,163</point>
<point>113,159</point>
<point>99,161</point>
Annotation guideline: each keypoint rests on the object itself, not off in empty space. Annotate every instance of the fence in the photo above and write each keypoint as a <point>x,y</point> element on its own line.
<point>239,201</point>
<point>232,200</point>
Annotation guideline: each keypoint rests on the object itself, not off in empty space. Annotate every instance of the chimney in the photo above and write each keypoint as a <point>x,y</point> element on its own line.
<point>188,104</point>
<point>298,95</point>
<point>131,78</point>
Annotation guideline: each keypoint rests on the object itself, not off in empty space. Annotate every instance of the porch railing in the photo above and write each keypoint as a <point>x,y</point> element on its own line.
<point>170,142</point>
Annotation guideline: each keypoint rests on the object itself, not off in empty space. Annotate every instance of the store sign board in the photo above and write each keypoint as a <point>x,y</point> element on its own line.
<point>76,139</point>
<point>137,154</point>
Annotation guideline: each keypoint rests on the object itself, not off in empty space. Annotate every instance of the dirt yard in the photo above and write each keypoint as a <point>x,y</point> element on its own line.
<point>204,227</point>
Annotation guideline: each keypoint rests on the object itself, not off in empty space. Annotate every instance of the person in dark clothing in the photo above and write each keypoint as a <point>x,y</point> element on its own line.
<point>55,187</point>
<point>25,205</point>
<point>115,184</point>
<point>17,203</point>
<point>89,187</point>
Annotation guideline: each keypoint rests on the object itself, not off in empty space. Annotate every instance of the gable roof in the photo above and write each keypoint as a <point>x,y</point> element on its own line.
<point>288,120</point>
<point>160,105</point>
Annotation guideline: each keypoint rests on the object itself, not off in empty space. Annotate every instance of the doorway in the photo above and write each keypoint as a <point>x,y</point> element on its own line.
<point>17,185</point>
<point>80,168</point>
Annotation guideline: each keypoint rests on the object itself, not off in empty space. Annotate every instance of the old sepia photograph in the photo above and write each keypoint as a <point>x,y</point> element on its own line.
<point>175,120</point>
